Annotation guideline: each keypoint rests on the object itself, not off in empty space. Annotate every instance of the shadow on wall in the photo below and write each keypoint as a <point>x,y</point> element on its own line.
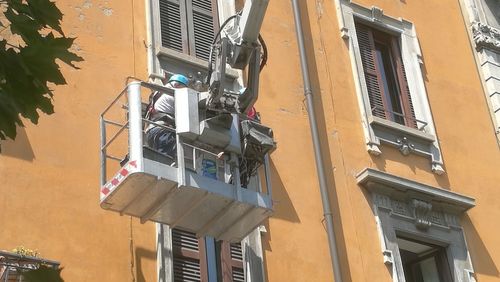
<point>142,254</point>
<point>481,260</point>
<point>282,205</point>
<point>20,148</point>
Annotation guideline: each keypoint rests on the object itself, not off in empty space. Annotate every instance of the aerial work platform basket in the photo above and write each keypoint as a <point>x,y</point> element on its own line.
<point>198,191</point>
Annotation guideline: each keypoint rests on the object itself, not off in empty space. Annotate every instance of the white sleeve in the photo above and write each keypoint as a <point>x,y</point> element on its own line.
<point>165,104</point>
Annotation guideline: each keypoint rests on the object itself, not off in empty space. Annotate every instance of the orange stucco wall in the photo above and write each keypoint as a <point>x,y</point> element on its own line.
<point>49,190</point>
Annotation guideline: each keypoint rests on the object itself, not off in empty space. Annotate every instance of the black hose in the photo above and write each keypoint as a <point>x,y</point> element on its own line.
<point>264,53</point>
<point>210,69</point>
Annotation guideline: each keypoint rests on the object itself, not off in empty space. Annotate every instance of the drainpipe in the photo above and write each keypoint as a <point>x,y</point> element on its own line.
<point>327,211</point>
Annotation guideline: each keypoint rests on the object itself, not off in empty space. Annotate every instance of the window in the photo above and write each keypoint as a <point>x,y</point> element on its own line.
<point>386,62</point>
<point>188,26</point>
<point>190,258</point>
<point>183,257</point>
<point>421,237</point>
<point>385,76</point>
<point>423,262</point>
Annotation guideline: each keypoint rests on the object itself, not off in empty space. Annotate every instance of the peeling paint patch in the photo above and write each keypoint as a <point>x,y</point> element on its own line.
<point>87,4</point>
<point>107,11</point>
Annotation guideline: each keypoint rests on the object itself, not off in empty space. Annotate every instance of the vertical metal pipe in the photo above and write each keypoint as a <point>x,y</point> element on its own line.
<point>103,151</point>
<point>135,123</point>
<point>327,211</point>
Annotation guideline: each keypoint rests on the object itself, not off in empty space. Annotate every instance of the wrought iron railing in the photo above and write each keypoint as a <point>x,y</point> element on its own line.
<point>13,265</point>
<point>420,124</point>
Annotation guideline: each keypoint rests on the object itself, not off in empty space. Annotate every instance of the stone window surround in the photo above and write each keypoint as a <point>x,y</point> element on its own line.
<point>486,40</point>
<point>377,130</point>
<point>160,58</point>
<point>407,208</point>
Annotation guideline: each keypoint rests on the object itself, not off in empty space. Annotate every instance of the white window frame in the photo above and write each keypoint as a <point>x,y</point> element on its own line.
<point>403,207</point>
<point>377,130</point>
<point>485,39</point>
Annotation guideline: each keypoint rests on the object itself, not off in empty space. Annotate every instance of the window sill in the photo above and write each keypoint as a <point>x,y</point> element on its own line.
<point>393,126</point>
<point>177,62</point>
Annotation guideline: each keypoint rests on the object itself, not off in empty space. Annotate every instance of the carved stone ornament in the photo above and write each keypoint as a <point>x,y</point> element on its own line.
<point>486,36</point>
<point>422,213</point>
<point>405,147</point>
<point>377,13</point>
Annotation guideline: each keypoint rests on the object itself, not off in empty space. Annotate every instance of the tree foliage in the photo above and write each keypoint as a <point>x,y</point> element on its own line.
<point>31,43</point>
<point>43,274</point>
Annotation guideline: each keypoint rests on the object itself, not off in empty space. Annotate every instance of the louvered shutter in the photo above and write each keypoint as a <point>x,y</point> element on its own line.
<point>173,25</point>
<point>232,262</point>
<point>237,262</point>
<point>408,109</point>
<point>189,257</point>
<point>373,83</point>
<point>203,20</point>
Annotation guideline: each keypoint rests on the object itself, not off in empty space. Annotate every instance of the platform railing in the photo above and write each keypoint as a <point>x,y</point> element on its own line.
<point>132,106</point>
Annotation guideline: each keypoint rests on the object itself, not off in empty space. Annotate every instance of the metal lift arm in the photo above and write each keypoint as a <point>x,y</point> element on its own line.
<point>240,48</point>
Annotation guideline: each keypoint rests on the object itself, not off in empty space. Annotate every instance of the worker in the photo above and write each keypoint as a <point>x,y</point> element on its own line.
<point>161,110</point>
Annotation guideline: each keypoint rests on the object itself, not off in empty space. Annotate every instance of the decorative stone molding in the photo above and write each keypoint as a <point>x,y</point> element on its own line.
<point>377,13</point>
<point>486,36</point>
<point>422,212</point>
<point>405,147</point>
<point>404,207</point>
<point>384,186</point>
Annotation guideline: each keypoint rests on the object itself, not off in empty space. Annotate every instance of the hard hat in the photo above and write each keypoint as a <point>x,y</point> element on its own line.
<point>179,78</point>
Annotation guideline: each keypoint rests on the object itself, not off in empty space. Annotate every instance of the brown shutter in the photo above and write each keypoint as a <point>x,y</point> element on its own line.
<point>373,83</point>
<point>173,25</point>
<point>189,257</point>
<point>204,22</point>
<point>408,109</point>
<point>232,262</point>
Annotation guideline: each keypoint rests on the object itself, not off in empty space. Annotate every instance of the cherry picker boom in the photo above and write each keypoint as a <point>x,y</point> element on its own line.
<point>197,190</point>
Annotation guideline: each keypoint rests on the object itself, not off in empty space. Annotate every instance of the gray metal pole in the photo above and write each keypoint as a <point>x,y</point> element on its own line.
<point>103,151</point>
<point>327,211</point>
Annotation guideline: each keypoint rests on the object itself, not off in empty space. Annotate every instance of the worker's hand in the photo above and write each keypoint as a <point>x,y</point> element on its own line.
<point>220,155</point>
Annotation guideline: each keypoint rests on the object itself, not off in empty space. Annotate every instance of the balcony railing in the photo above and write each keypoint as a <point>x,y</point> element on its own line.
<point>13,265</point>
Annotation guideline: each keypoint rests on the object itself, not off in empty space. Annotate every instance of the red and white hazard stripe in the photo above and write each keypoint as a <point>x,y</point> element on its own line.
<point>111,185</point>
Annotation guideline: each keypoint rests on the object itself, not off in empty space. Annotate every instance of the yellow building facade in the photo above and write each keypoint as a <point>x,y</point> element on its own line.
<point>408,184</point>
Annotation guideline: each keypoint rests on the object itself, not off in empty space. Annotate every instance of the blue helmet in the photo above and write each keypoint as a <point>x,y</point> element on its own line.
<point>179,78</point>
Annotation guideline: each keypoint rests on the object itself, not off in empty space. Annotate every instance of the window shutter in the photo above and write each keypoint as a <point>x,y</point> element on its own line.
<point>173,25</point>
<point>232,262</point>
<point>373,83</point>
<point>237,262</point>
<point>204,24</point>
<point>408,109</point>
<point>189,257</point>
